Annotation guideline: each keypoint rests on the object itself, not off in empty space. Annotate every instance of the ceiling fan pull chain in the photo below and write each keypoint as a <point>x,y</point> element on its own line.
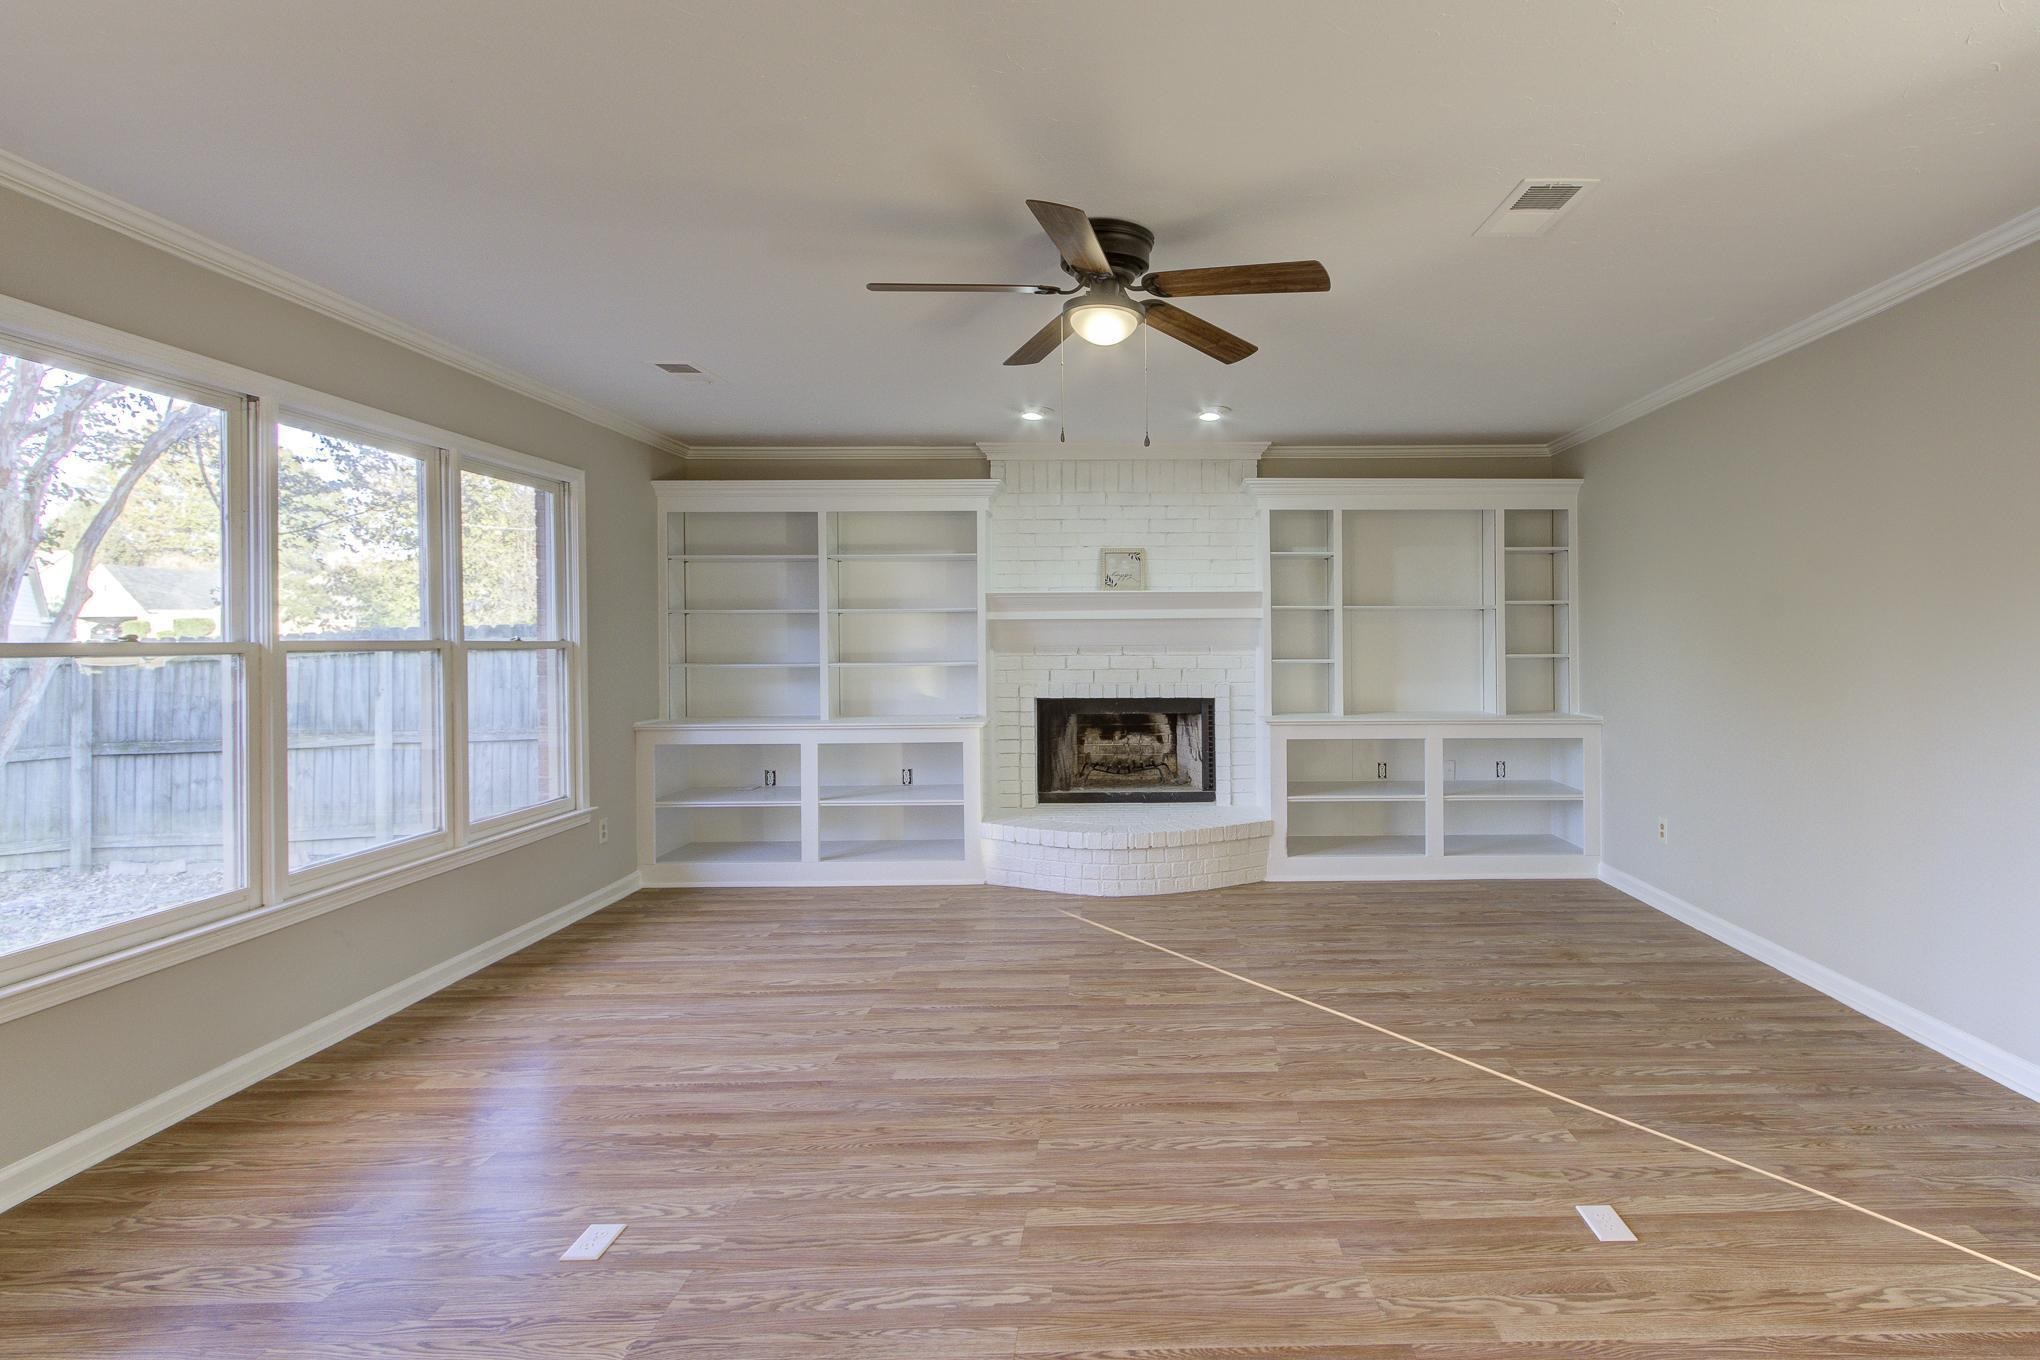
<point>1146,441</point>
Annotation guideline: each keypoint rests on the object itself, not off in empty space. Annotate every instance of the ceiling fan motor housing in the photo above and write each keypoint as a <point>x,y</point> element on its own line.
<point>1127,246</point>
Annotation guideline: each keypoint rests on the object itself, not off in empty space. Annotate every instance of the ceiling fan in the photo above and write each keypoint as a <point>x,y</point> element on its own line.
<point>1108,258</point>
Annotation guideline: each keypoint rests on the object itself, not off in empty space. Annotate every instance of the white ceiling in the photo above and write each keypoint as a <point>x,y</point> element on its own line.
<point>578,190</point>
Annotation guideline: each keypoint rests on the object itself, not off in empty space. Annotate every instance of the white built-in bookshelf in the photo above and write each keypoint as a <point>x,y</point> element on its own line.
<point>1422,679</point>
<point>824,683</point>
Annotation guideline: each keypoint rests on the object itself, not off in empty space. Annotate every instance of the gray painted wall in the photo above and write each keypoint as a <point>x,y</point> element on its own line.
<point>1813,626</point>
<point>66,1068</point>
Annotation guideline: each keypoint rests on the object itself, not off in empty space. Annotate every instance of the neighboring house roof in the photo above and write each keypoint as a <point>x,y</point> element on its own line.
<point>157,589</point>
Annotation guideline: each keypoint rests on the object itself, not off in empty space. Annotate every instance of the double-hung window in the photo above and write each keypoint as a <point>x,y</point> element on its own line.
<point>125,653</point>
<point>260,647</point>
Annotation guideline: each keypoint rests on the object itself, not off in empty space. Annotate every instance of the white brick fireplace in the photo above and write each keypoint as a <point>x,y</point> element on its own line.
<point>1194,633</point>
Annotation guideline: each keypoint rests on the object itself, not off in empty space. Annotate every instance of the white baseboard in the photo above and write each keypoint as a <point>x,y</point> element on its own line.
<point>39,1171</point>
<point>2005,1068</point>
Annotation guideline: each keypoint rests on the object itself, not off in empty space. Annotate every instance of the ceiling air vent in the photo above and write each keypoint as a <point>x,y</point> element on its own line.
<point>1533,206</point>
<point>686,372</point>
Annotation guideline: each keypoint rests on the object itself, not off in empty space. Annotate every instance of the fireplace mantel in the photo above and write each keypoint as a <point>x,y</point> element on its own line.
<point>1051,618</point>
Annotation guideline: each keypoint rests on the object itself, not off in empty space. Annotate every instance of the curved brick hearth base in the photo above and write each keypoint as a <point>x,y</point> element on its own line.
<point>1110,850</point>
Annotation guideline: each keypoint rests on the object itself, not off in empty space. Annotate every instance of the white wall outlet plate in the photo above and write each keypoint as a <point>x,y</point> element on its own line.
<point>602,831</point>
<point>1664,829</point>
<point>1605,1222</point>
<point>590,1245</point>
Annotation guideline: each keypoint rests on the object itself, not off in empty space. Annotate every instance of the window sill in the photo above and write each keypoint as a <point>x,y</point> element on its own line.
<point>119,964</point>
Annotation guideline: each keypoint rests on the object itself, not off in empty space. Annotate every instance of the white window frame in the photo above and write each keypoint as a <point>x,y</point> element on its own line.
<point>46,975</point>
<point>564,636</point>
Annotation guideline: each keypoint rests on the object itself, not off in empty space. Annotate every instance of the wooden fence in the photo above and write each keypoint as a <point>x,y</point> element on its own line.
<point>128,761</point>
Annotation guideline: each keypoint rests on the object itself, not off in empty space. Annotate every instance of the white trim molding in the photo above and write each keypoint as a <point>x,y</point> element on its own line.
<point>2002,240</point>
<point>1986,1059</point>
<point>1050,451</point>
<point>832,453</point>
<point>1340,453</point>
<point>60,1161</point>
<point>47,186</point>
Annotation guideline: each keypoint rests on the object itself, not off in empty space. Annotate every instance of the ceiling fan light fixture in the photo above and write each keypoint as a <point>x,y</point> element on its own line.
<point>1103,316</point>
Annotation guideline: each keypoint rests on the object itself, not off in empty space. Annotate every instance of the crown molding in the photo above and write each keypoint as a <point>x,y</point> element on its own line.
<point>1349,452</point>
<point>1083,451</point>
<point>47,186</point>
<point>832,453</point>
<point>2021,231</point>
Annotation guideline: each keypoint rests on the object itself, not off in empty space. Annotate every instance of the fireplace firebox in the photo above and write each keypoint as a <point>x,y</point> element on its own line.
<point>1125,750</point>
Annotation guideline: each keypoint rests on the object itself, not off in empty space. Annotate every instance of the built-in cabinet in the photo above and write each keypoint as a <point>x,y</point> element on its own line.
<point>1397,797</point>
<point>1422,679</point>
<point>824,651</point>
<point>779,803</point>
<point>824,655</point>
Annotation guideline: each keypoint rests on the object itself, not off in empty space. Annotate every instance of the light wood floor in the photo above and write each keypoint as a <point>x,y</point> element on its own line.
<point>957,1123</point>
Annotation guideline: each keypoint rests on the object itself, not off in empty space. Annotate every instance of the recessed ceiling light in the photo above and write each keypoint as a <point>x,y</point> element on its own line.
<point>1037,413</point>
<point>1214,413</point>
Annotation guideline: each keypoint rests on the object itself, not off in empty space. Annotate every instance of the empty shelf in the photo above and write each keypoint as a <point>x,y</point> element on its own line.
<point>901,556</point>
<point>892,795</point>
<point>1358,791</point>
<point>734,852</point>
<point>1549,548</point>
<point>691,610</point>
<point>892,851</point>
<point>1466,844</point>
<point>1412,608</point>
<point>900,664</point>
<point>744,557</point>
<point>1536,790</point>
<point>779,795</point>
<point>1326,847</point>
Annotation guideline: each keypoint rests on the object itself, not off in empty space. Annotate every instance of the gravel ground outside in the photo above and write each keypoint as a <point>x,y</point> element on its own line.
<point>41,905</point>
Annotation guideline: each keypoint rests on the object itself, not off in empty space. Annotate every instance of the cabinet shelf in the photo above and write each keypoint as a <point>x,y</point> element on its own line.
<point>1301,660</point>
<point>690,610</point>
<point>733,852</point>
<point>898,665</point>
<point>1464,844</point>
<point>892,795</point>
<point>780,795</point>
<point>1340,847</point>
<point>1542,602</point>
<point>901,556</point>
<point>1417,608</point>
<point>1504,790</point>
<point>744,557</point>
<point>750,665</point>
<point>833,851</point>
<point>1358,791</point>
<point>905,609</point>
<point>1538,656</point>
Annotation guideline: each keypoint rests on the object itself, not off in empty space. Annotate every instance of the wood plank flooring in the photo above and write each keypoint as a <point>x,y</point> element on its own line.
<point>935,1123</point>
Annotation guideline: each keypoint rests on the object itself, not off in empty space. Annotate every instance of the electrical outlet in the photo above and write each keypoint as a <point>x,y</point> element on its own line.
<point>1605,1223</point>
<point>590,1245</point>
<point>1664,830</point>
<point>602,831</point>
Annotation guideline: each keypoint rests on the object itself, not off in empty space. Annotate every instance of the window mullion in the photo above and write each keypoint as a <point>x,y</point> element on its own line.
<point>452,631</point>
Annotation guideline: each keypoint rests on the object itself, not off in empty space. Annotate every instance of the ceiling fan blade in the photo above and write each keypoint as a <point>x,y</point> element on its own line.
<point>1038,289</point>
<point>1039,345</point>
<point>1198,333</point>
<point>1071,231</point>
<point>1288,276</point>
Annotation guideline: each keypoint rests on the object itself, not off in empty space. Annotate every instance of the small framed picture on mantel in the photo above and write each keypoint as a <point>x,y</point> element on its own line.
<point>1122,568</point>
